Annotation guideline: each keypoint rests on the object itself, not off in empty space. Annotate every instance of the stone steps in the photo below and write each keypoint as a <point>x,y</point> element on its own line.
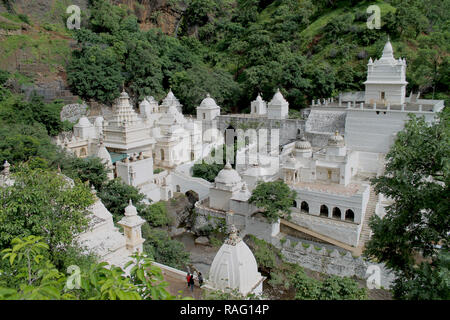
<point>370,211</point>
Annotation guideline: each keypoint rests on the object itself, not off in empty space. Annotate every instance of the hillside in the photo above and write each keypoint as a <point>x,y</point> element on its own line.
<point>230,48</point>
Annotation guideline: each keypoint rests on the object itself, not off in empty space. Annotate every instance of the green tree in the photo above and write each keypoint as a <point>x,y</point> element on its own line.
<point>89,169</point>
<point>116,195</point>
<point>46,204</point>
<point>206,171</point>
<point>275,198</point>
<point>95,73</point>
<point>163,249</point>
<point>416,178</point>
<point>38,279</point>
<point>156,214</point>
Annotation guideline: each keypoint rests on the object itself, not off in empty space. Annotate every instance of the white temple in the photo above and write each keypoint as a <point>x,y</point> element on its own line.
<point>234,268</point>
<point>327,158</point>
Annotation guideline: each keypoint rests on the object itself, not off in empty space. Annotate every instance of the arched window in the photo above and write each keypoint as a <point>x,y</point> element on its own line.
<point>83,152</point>
<point>324,210</point>
<point>294,204</point>
<point>169,194</point>
<point>336,213</point>
<point>162,154</point>
<point>349,215</point>
<point>304,207</point>
<point>178,188</point>
<point>192,156</point>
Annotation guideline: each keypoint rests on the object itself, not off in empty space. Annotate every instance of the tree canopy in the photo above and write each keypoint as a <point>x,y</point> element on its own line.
<point>416,226</point>
<point>275,198</point>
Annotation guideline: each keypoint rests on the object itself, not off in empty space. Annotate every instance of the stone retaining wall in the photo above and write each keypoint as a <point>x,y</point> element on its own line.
<point>339,263</point>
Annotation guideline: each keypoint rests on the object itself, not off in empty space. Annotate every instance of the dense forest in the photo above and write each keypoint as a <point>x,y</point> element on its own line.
<point>235,49</point>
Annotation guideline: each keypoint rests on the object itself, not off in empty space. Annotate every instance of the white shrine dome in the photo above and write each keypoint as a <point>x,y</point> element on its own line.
<point>388,50</point>
<point>124,95</point>
<point>208,103</point>
<point>170,99</point>
<point>84,122</point>
<point>228,175</point>
<point>336,140</point>
<point>278,98</point>
<point>144,103</point>
<point>235,267</point>
<point>99,121</point>
<point>130,210</point>
<point>303,144</point>
<point>103,154</point>
<point>259,98</point>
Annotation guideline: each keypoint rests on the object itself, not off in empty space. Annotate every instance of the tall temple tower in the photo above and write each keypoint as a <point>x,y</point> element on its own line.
<point>386,79</point>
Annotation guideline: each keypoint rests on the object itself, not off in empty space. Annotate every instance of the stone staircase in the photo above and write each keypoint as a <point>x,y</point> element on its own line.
<point>370,211</point>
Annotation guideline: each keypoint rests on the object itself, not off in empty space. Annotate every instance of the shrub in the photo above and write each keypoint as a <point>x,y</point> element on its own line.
<point>156,214</point>
<point>163,249</point>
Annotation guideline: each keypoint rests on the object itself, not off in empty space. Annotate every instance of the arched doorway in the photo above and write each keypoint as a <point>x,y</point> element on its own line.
<point>162,154</point>
<point>178,188</point>
<point>294,204</point>
<point>336,213</point>
<point>304,207</point>
<point>349,215</point>
<point>324,210</point>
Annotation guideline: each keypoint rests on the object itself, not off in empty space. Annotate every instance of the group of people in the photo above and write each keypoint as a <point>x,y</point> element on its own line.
<point>190,280</point>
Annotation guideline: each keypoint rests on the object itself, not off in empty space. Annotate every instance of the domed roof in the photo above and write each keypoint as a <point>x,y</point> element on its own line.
<point>144,103</point>
<point>124,95</point>
<point>228,175</point>
<point>103,154</point>
<point>336,140</point>
<point>388,51</point>
<point>151,100</point>
<point>278,98</point>
<point>170,99</point>
<point>130,210</point>
<point>303,144</point>
<point>99,121</point>
<point>234,266</point>
<point>259,98</point>
<point>208,102</point>
<point>84,122</point>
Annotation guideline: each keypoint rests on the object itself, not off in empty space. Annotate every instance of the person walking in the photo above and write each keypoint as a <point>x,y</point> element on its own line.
<point>200,279</point>
<point>191,282</point>
<point>188,279</point>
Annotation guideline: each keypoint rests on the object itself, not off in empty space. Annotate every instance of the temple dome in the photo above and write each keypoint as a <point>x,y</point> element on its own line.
<point>130,210</point>
<point>103,154</point>
<point>303,144</point>
<point>388,51</point>
<point>228,175</point>
<point>235,267</point>
<point>208,103</point>
<point>98,121</point>
<point>124,95</point>
<point>278,98</point>
<point>336,140</point>
<point>84,122</point>
<point>144,103</point>
<point>259,98</point>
